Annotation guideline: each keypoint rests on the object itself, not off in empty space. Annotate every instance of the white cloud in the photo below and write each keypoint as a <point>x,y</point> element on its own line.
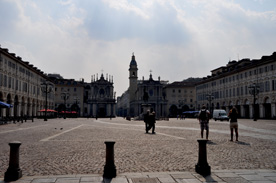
<point>174,39</point>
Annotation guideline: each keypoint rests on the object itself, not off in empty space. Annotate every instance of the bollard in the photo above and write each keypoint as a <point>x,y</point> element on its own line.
<point>202,166</point>
<point>13,173</point>
<point>109,168</point>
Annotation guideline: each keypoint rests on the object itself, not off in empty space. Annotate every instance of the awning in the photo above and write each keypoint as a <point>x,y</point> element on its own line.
<point>48,110</point>
<point>5,105</point>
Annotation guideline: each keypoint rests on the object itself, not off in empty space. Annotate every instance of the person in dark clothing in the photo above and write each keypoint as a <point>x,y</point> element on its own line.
<point>147,120</point>
<point>203,117</point>
<point>233,115</point>
<point>152,121</point>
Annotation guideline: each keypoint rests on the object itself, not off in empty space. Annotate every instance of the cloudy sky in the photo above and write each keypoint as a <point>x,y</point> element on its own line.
<point>176,39</point>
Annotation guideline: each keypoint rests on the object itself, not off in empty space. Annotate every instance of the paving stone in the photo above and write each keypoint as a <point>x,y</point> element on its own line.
<point>91,179</point>
<point>254,177</point>
<point>145,180</point>
<point>48,180</point>
<point>235,180</point>
<point>188,181</point>
<point>271,178</point>
<point>166,179</point>
<point>226,174</point>
<point>67,180</point>
<point>119,180</point>
<point>262,181</point>
<point>184,175</point>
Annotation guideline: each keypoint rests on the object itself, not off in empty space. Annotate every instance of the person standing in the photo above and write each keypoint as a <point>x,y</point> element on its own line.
<point>203,118</point>
<point>147,120</point>
<point>152,121</point>
<point>233,115</point>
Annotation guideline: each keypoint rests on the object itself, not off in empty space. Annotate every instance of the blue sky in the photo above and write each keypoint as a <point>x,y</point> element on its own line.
<point>176,39</point>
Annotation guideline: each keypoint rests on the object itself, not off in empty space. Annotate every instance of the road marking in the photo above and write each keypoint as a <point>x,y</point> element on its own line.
<point>19,129</point>
<point>48,138</point>
<point>137,129</point>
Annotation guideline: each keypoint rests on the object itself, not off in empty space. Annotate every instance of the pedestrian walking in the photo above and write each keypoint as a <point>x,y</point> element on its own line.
<point>152,121</point>
<point>203,118</point>
<point>233,115</point>
<point>146,120</point>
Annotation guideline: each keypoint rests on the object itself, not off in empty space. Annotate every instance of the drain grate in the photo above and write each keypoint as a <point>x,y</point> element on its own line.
<point>144,180</point>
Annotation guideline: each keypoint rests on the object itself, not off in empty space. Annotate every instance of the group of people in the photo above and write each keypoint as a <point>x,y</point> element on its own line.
<point>149,119</point>
<point>204,116</point>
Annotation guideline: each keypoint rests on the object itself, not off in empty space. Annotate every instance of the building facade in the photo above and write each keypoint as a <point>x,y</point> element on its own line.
<point>181,96</point>
<point>140,93</point>
<point>69,95</point>
<point>20,85</point>
<point>249,85</point>
<point>99,97</point>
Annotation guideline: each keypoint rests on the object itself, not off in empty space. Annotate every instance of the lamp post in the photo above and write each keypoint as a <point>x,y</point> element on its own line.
<point>65,96</point>
<point>210,97</point>
<point>254,90</point>
<point>46,87</point>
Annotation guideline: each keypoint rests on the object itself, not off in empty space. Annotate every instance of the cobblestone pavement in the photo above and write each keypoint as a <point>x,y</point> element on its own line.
<point>76,146</point>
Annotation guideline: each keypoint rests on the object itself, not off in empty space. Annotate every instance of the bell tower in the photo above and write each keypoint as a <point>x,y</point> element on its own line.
<point>133,77</point>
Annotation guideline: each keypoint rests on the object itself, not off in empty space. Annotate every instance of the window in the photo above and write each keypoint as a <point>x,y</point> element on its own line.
<point>272,67</point>
<point>273,84</point>
<point>241,90</point>
<point>173,91</point>
<point>191,100</point>
<point>267,87</point>
<point>179,91</point>
<point>75,89</point>
<point>234,92</point>
<point>260,70</point>
<point>5,81</point>
<point>1,77</point>
<point>238,91</point>
<point>16,85</point>
<point>265,69</point>
<point>245,74</point>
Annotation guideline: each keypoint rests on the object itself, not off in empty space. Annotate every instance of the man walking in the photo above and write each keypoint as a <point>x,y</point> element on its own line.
<point>203,118</point>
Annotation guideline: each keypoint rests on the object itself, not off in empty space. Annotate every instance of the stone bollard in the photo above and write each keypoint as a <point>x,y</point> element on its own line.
<point>109,168</point>
<point>202,166</point>
<point>14,172</point>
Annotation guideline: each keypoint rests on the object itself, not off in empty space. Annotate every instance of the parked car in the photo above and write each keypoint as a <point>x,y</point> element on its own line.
<point>220,114</point>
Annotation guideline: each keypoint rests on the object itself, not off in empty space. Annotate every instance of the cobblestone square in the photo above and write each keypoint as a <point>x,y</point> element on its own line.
<point>76,146</point>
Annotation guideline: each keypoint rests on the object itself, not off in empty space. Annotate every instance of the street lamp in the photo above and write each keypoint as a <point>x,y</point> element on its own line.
<point>254,90</point>
<point>46,87</point>
<point>210,97</point>
<point>65,96</point>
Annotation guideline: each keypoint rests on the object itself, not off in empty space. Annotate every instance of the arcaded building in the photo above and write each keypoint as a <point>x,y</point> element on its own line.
<point>20,86</point>
<point>249,85</point>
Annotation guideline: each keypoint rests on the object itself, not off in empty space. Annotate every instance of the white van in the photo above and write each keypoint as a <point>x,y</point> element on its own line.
<point>220,114</point>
